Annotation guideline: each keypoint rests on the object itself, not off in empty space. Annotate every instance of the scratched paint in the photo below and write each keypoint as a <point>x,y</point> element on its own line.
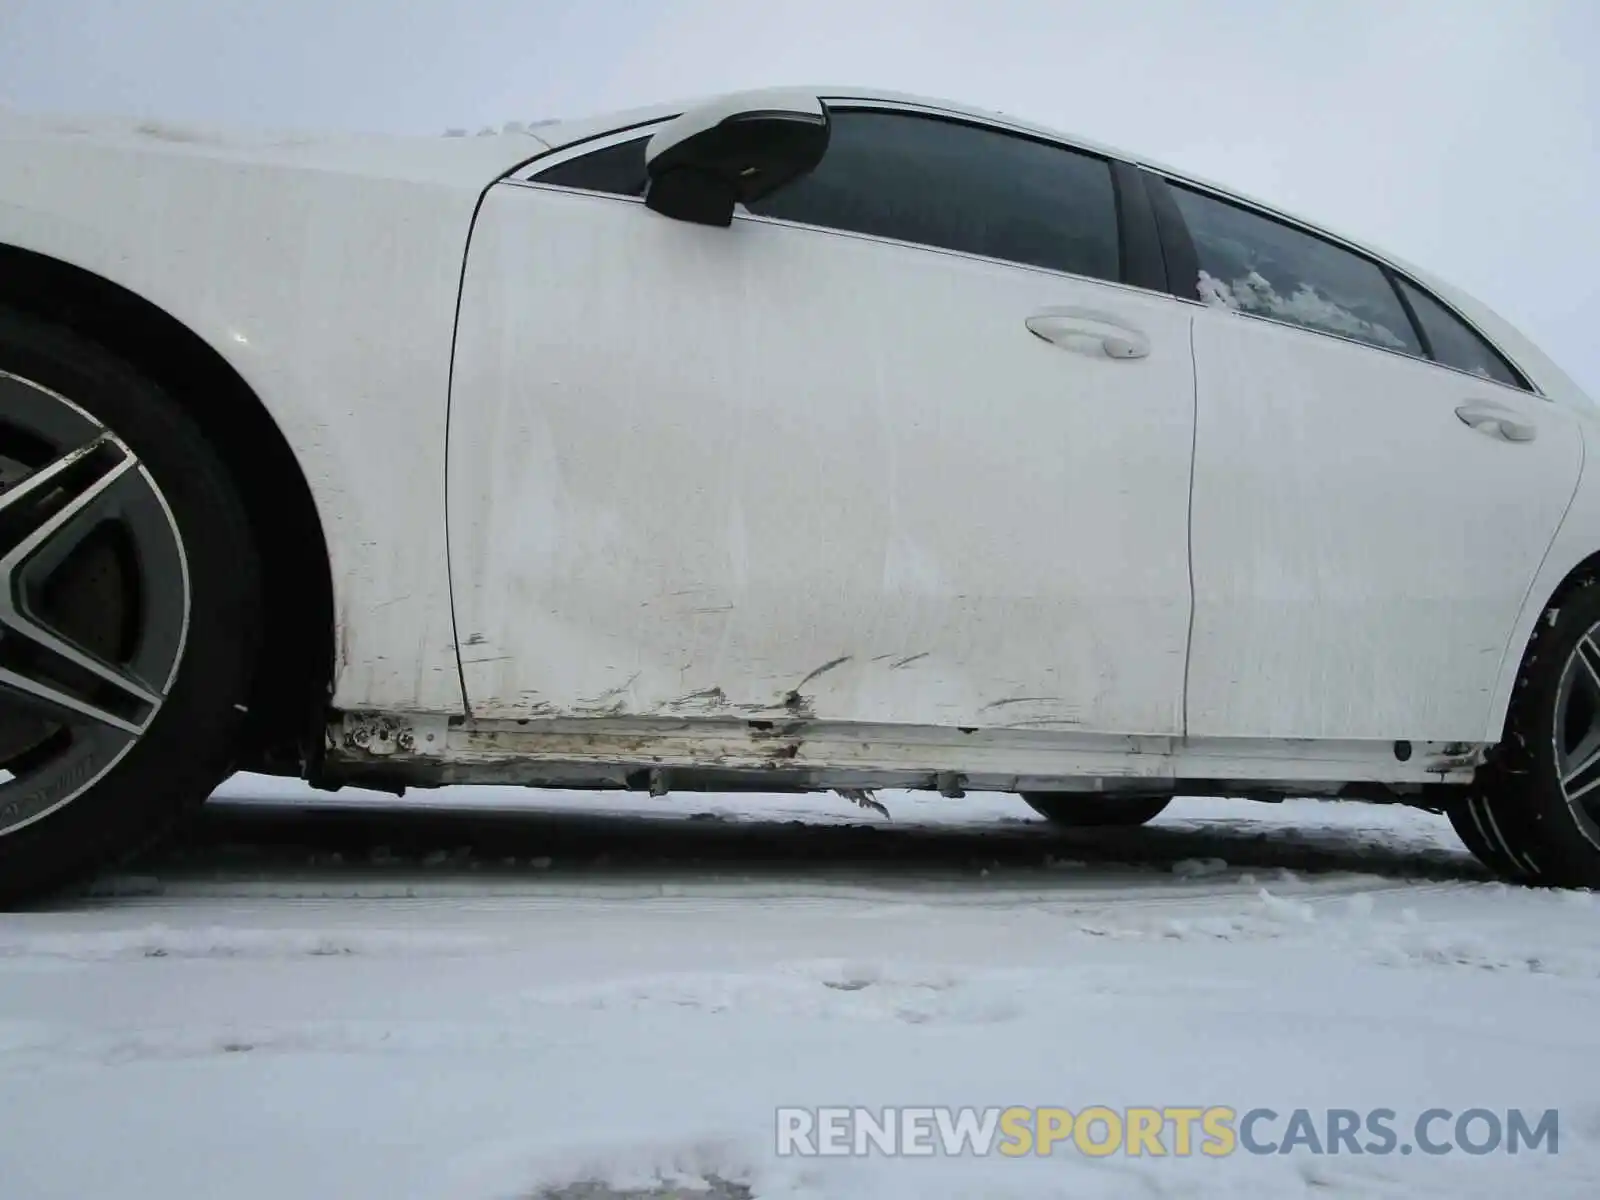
<point>813,755</point>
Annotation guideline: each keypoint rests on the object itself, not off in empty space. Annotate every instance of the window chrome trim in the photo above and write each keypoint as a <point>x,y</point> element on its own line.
<point>742,216</point>
<point>524,177</point>
<point>1450,310</point>
<point>1422,360</point>
<point>561,154</point>
<point>600,141</point>
<point>751,218</point>
<point>1370,256</point>
<point>1014,129</point>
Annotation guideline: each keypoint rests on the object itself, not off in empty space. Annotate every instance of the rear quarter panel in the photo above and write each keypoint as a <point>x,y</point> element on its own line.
<point>1577,539</point>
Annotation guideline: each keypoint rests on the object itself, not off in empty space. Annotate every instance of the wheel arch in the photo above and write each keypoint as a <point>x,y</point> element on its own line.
<point>298,641</point>
<point>1584,574</point>
<point>1542,600</point>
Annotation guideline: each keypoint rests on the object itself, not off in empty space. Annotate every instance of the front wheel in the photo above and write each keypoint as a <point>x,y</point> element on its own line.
<point>128,608</point>
<point>1085,811</point>
<point>1534,814</point>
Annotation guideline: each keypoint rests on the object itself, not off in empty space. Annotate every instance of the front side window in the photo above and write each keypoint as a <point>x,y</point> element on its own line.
<point>617,170</point>
<point>1256,265</point>
<point>959,187</point>
<point>925,180</point>
<point>1453,343</point>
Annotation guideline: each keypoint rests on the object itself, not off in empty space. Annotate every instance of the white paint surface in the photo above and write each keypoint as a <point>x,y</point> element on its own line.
<point>325,272</point>
<point>707,492</point>
<point>1361,556</point>
<point>694,470</point>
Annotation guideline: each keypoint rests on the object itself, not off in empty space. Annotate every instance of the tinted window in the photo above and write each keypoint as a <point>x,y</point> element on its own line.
<point>959,187</point>
<point>1257,265</point>
<point>1452,343</point>
<point>616,169</point>
<point>920,179</point>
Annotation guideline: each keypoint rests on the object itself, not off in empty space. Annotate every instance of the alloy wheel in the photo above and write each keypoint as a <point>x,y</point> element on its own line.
<point>1576,741</point>
<point>94,601</point>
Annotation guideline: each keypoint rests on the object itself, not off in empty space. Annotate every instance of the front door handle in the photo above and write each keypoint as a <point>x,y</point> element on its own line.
<point>1088,332</point>
<point>1495,420</point>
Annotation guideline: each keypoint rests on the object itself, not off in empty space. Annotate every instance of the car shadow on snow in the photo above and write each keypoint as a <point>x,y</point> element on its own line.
<point>700,843</point>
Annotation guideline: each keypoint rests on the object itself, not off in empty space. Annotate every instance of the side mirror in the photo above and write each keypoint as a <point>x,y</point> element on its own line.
<point>732,151</point>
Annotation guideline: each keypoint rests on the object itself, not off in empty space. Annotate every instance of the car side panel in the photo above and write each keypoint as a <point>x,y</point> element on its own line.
<point>329,282</point>
<point>771,471</point>
<point>1360,554</point>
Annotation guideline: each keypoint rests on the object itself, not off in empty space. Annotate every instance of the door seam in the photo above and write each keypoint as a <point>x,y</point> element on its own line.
<point>1194,440</point>
<point>449,421</point>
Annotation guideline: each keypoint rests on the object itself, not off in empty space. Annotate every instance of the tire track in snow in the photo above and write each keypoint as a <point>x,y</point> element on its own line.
<point>464,860</point>
<point>319,901</point>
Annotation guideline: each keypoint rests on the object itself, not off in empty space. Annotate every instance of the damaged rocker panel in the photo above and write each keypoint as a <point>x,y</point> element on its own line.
<point>803,754</point>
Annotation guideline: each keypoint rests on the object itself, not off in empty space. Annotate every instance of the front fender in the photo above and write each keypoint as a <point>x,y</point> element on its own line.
<point>332,294</point>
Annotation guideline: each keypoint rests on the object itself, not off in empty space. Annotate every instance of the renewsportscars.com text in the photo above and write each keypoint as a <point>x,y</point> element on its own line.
<point>1214,1131</point>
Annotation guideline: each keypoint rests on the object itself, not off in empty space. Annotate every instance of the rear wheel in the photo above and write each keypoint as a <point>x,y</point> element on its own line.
<point>128,608</point>
<point>1534,815</point>
<point>1094,810</point>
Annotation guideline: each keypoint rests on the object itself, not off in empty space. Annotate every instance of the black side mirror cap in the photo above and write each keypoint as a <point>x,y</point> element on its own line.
<point>711,159</point>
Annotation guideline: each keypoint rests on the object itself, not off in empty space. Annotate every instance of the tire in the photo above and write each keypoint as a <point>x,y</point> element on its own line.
<point>1095,811</point>
<point>129,610</point>
<point>1475,825</point>
<point>1519,819</point>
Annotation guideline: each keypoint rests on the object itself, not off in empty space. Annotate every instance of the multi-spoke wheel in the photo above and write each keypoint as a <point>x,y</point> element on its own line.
<point>1535,814</point>
<point>127,608</point>
<point>1575,742</point>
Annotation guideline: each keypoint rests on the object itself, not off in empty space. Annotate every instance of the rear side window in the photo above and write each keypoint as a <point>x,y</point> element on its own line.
<point>959,187</point>
<point>1256,265</point>
<point>1454,344</point>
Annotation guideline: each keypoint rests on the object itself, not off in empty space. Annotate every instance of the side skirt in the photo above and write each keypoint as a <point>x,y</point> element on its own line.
<point>384,749</point>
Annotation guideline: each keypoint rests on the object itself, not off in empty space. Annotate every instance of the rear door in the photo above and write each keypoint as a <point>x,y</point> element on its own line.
<point>898,447</point>
<point>1375,488</point>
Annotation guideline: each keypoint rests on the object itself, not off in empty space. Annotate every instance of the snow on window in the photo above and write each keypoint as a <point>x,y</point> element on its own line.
<point>1254,263</point>
<point>1254,293</point>
<point>1214,291</point>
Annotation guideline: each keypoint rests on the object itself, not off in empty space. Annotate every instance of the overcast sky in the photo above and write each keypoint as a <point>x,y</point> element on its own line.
<point>1459,134</point>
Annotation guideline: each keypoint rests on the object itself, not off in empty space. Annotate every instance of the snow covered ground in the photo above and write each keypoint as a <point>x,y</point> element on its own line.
<point>332,996</point>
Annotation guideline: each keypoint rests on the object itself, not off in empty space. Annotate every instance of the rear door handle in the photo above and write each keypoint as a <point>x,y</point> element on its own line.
<point>1495,420</point>
<point>1088,332</point>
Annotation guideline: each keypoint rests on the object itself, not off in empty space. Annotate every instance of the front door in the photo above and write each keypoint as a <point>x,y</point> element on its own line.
<point>896,448</point>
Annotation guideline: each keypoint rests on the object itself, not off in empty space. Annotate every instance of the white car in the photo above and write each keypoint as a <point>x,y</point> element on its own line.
<point>808,439</point>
